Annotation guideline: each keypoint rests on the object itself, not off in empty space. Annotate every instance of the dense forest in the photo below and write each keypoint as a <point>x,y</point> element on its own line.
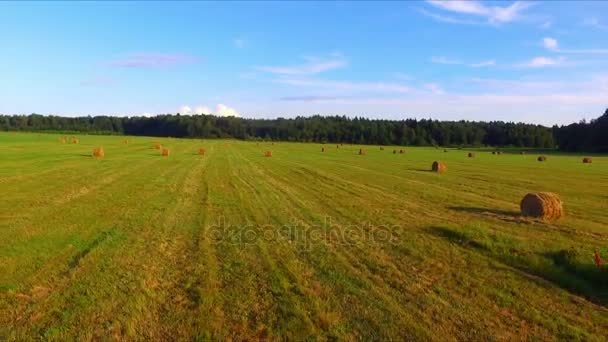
<point>332,129</point>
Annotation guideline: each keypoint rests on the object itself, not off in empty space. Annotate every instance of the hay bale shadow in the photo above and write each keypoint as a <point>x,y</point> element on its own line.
<point>504,215</point>
<point>456,237</point>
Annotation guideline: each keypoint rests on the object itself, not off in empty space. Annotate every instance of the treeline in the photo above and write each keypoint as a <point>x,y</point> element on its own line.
<point>333,129</point>
<point>584,136</point>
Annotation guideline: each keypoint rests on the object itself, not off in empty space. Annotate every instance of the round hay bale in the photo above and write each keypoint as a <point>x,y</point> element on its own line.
<point>362,152</point>
<point>158,146</point>
<point>74,140</point>
<point>499,152</point>
<point>544,205</point>
<point>337,146</point>
<point>439,167</point>
<point>98,152</point>
<point>381,148</point>
<point>493,152</point>
<point>268,154</point>
<point>541,158</point>
<point>401,151</point>
<point>471,155</point>
<point>164,152</point>
<point>587,160</point>
<point>394,151</point>
<point>201,151</point>
<point>322,149</point>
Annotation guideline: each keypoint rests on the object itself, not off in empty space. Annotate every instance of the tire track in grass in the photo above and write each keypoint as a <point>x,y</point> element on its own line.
<point>32,243</point>
<point>351,264</point>
<point>194,307</point>
<point>60,286</point>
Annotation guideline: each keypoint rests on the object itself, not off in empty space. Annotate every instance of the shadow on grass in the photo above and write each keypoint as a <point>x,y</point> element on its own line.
<point>570,269</point>
<point>505,215</point>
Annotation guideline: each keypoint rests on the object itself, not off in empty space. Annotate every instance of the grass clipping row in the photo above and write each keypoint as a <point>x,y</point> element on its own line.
<point>543,205</point>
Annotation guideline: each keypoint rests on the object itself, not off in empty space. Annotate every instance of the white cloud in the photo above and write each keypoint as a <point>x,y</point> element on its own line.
<point>483,64</point>
<point>493,14</point>
<point>546,25</point>
<point>223,110</point>
<point>220,110</point>
<point>434,88</point>
<point>185,110</point>
<point>312,66</point>
<point>444,60</point>
<point>550,43</point>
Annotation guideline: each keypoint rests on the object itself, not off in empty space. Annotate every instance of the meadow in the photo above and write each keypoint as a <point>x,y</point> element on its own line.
<point>300,245</point>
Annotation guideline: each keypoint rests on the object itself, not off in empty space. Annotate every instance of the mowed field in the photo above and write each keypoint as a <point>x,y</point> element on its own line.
<point>300,245</point>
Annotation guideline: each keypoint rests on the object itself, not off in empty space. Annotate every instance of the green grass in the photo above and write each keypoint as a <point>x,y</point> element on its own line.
<point>302,245</point>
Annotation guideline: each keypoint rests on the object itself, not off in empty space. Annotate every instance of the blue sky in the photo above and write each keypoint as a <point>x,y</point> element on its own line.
<point>539,62</point>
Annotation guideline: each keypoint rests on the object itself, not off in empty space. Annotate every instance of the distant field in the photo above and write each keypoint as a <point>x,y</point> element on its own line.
<point>302,244</point>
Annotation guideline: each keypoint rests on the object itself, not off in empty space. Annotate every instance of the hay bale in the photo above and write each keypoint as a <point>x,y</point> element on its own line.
<point>74,140</point>
<point>445,150</point>
<point>401,151</point>
<point>499,152</point>
<point>362,152</point>
<point>322,149</point>
<point>63,140</point>
<point>158,146</point>
<point>98,152</point>
<point>381,148</point>
<point>544,205</point>
<point>164,152</point>
<point>337,146</point>
<point>439,167</point>
<point>541,158</point>
<point>471,155</point>
<point>394,151</point>
<point>126,141</point>
<point>493,152</point>
<point>587,160</point>
<point>268,154</point>
<point>201,151</point>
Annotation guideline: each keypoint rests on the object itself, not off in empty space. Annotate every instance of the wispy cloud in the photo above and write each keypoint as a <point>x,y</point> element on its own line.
<point>382,87</point>
<point>97,81</point>
<point>553,45</point>
<point>594,22</point>
<point>154,60</point>
<point>541,62</point>
<point>546,25</point>
<point>444,60</point>
<point>450,20</point>
<point>312,98</point>
<point>434,88</point>
<point>239,43</point>
<point>493,14</point>
<point>483,64</point>
<point>313,65</point>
